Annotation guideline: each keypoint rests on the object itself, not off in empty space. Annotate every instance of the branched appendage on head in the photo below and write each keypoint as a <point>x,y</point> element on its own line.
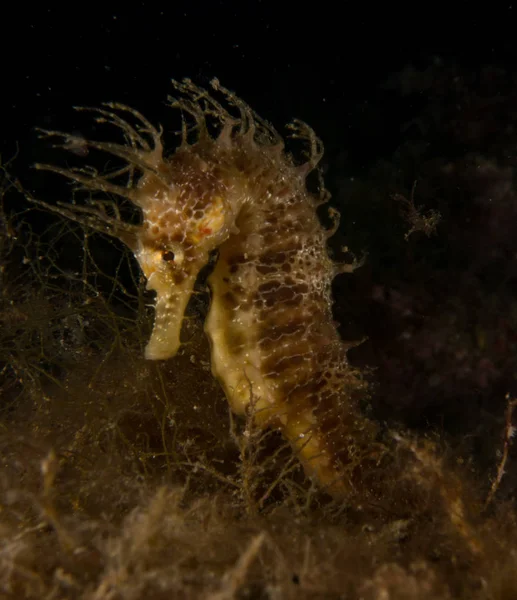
<point>230,186</point>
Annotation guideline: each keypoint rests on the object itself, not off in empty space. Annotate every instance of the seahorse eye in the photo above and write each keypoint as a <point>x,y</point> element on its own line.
<point>172,253</point>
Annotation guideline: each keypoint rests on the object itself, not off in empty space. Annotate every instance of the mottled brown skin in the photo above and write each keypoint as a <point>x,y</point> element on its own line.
<point>275,348</point>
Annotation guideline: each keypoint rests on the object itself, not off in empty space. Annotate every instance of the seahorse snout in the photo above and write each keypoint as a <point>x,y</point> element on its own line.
<point>172,278</point>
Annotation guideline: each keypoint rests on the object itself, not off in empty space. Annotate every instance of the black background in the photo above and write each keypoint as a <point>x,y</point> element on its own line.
<point>322,62</point>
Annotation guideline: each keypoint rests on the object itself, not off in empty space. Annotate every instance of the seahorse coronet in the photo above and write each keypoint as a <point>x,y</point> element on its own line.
<point>230,186</point>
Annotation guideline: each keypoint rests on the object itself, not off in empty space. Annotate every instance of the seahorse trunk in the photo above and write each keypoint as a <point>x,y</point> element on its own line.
<point>274,343</point>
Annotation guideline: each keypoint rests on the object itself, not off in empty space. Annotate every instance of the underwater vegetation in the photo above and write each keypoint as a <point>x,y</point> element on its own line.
<point>275,456</point>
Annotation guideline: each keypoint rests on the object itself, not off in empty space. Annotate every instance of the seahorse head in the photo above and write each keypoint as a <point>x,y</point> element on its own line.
<point>188,200</point>
<point>186,214</point>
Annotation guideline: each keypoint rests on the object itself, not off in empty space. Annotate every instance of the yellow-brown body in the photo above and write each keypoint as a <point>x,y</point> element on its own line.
<point>275,348</point>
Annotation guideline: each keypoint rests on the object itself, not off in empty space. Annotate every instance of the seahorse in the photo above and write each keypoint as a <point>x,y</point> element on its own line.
<point>231,187</point>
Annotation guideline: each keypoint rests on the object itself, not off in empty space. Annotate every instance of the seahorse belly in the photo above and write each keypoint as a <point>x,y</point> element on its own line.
<point>270,324</point>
